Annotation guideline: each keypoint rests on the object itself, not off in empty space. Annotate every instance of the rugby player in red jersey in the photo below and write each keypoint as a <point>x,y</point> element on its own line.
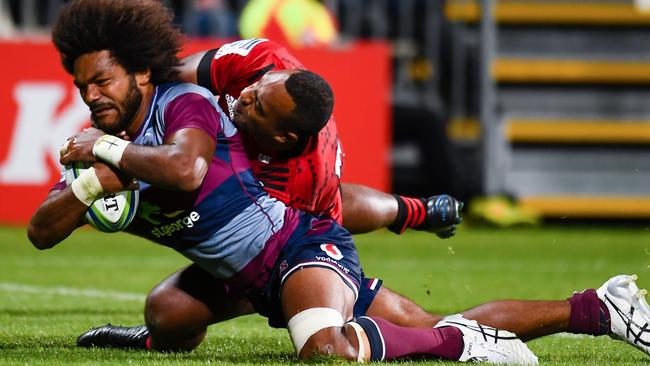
<point>303,174</point>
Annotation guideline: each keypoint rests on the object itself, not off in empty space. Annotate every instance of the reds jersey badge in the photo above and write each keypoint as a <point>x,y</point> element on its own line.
<point>332,251</point>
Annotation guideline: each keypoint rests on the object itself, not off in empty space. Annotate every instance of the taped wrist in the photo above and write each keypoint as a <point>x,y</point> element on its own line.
<point>86,187</point>
<point>110,149</point>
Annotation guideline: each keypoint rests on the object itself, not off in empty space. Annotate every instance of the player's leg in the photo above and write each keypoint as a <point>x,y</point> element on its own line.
<point>177,312</point>
<point>399,310</point>
<point>527,319</point>
<point>366,209</point>
<point>618,309</point>
<point>319,294</point>
<point>319,291</point>
<point>318,305</point>
<point>180,308</point>
<point>586,312</point>
<point>318,285</point>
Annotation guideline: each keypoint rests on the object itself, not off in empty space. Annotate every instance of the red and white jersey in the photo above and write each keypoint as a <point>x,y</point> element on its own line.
<point>309,182</point>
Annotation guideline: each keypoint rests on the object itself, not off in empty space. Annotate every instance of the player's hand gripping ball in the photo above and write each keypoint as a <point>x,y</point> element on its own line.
<point>113,212</point>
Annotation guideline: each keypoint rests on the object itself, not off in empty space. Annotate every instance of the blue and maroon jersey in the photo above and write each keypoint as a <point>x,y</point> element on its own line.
<point>308,182</point>
<point>229,226</point>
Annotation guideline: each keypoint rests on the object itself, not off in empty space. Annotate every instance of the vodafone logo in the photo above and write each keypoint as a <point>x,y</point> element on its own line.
<point>332,251</point>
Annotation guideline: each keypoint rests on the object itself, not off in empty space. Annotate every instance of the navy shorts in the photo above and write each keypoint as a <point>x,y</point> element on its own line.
<point>317,242</point>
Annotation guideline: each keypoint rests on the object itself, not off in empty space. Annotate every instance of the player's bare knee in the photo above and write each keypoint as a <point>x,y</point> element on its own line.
<point>157,313</point>
<point>171,324</point>
<point>168,331</point>
<point>328,342</point>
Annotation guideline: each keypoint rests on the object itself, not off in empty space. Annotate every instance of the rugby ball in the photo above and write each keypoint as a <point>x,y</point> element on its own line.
<point>113,212</point>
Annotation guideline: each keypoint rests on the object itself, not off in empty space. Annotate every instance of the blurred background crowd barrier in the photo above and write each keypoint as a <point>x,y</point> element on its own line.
<point>543,104</point>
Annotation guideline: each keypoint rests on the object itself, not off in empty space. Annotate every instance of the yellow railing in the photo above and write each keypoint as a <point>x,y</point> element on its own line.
<point>589,207</point>
<point>516,70</point>
<point>577,131</point>
<point>541,12</point>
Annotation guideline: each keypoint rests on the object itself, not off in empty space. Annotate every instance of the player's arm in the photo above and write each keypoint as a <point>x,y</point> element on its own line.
<point>187,71</point>
<point>197,69</point>
<point>63,209</point>
<point>179,164</point>
<point>238,65</point>
<point>191,122</point>
<point>55,218</point>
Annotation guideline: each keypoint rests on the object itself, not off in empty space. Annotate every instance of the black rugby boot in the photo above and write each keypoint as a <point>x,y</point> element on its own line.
<point>115,336</point>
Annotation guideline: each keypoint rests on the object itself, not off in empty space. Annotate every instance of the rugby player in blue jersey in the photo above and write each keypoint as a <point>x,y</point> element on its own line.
<point>300,271</point>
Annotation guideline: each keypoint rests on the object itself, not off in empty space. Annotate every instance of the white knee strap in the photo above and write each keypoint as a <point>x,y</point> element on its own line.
<point>307,322</point>
<point>359,332</point>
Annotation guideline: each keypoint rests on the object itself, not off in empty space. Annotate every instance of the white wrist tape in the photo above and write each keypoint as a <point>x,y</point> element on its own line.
<point>306,323</point>
<point>110,149</point>
<point>86,187</point>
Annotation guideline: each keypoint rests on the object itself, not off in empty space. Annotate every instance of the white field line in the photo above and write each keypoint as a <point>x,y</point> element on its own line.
<point>68,291</point>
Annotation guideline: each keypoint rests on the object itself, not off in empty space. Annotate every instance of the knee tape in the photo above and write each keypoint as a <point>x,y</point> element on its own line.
<point>359,333</point>
<point>306,323</point>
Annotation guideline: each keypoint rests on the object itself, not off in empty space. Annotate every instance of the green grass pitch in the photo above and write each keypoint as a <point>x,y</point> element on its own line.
<point>47,298</point>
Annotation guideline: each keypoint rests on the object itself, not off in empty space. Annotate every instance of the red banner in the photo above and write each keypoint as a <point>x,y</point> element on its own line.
<point>41,108</point>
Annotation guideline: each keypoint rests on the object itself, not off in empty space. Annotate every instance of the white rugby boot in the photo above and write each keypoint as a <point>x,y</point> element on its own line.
<point>485,344</point>
<point>628,311</point>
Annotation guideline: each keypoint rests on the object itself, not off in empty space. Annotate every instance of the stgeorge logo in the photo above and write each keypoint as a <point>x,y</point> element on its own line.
<point>332,251</point>
<point>186,222</point>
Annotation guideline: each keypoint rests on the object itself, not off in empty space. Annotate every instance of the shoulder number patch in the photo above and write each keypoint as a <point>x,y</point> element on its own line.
<point>241,48</point>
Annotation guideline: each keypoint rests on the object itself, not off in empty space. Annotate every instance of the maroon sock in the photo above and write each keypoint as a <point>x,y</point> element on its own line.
<point>147,343</point>
<point>411,212</point>
<point>389,341</point>
<point>588,314</point>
